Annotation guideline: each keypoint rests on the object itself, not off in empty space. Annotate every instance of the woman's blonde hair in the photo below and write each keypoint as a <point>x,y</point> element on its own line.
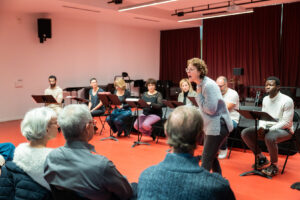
<point>200,65</point>
<point>185,80</point>
<point>120,83</point>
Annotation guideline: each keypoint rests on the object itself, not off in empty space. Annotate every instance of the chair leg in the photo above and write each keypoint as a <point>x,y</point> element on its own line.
<point>287,156</point>
<point>102,124</point>
<point>230,149</point>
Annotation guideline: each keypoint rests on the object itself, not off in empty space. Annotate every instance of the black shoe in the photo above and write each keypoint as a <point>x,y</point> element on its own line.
<point>153,137</point>
<point>296,186</point>
<point>119,134</point>
<point>126,132</point>
<point>272,170</point>
<point>260,162</point>
<point>95,128</point>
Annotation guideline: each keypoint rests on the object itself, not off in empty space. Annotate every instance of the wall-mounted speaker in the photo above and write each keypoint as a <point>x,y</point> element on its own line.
<point>44,29</point>
<point>238,71</point>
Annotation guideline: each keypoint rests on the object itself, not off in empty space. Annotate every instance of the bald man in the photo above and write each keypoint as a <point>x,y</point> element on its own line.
<point>179,175</point>
<point>231,99</point>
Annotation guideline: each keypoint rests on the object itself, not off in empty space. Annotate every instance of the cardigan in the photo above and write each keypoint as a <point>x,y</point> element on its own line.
<point>179,176</point>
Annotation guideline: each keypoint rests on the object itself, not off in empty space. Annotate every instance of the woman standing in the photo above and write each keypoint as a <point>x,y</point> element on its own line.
<point>117,118</point>
<point>186,91</point>
<point>217,122</point>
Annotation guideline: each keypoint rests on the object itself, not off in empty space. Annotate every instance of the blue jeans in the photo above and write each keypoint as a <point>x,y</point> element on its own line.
<point>7,151</point>
<point>117,118</point>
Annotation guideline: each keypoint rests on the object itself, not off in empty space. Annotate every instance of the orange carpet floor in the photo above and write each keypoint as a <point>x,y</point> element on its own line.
<point>132,161</point>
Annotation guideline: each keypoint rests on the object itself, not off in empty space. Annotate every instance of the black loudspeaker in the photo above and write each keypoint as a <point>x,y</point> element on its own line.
<point>44,29</point>
<point>238,71</point>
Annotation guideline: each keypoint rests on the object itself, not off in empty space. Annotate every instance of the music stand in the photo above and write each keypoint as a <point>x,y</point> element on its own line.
<point>71,89</point>
<point>193,100</point>
<point>171,104</point>
<point>137,103</point>
<point>256,115</point>
<point>112,100</point>
<point>103,97</point>
<point>47,99</point>
<point>79,100</point>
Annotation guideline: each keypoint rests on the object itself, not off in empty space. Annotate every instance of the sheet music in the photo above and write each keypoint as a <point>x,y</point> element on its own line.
<point>132,99</point>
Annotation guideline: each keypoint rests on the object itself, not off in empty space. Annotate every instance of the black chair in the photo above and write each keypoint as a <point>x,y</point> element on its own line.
<point>235,135</point>
<point>105,114</point>
<point>129,121</point>
<point>60,193</point>
<point>293,146</point>
<point>158,129</point>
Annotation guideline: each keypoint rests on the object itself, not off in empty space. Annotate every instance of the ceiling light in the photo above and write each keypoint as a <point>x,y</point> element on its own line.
<point>150,3</point>
<point>215,16</point>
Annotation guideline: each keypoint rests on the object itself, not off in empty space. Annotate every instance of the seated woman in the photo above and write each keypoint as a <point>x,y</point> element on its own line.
<point>151,114</point>
<point>186,91</point>
<point>117,118</point>
<point>23,177</point>
<point>95,105</point>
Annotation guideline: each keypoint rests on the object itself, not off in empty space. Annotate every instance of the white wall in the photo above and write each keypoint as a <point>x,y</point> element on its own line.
<point>77,51</point>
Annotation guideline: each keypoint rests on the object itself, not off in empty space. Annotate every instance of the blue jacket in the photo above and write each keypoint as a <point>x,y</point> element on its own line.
<point>15,184</point>
<point>179,176</point>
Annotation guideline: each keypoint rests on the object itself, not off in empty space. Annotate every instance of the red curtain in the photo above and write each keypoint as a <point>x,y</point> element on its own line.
<point>290,54</point>
<point>249,41</point>
<point>176,47</point>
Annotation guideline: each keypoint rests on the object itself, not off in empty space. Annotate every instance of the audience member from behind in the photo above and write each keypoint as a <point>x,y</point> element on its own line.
<point>23,178</point>
<point>179,175</point>
<point>56,92</point>
<point>281,108</point>
<point>186,91</point>
<point>118,116</point>
<point>232,101</point>
<point>77,167</point>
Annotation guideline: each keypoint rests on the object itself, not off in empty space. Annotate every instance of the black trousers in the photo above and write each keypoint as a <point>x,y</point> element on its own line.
<point>212,145</point>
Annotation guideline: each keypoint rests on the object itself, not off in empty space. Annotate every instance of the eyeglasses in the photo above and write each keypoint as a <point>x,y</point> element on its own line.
<point>221,85</point>
<point>190,69</point>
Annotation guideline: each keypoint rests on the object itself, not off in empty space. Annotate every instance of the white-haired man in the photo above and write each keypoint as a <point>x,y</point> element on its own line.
<point>77,167</point>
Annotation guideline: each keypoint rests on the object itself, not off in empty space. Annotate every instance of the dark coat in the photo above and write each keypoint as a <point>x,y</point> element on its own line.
<point>15,184</point>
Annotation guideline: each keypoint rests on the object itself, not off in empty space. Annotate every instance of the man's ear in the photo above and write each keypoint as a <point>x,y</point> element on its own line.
<point>278,87</point>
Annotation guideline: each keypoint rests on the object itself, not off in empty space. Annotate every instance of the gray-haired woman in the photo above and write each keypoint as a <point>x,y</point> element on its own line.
<point>23,177</point>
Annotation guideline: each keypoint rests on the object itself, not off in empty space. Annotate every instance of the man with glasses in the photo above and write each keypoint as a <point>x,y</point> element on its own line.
<point>77,166</point>
<point>232,100</point>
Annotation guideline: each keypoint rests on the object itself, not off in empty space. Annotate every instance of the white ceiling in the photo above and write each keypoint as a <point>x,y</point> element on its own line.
<point>156,17</point>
